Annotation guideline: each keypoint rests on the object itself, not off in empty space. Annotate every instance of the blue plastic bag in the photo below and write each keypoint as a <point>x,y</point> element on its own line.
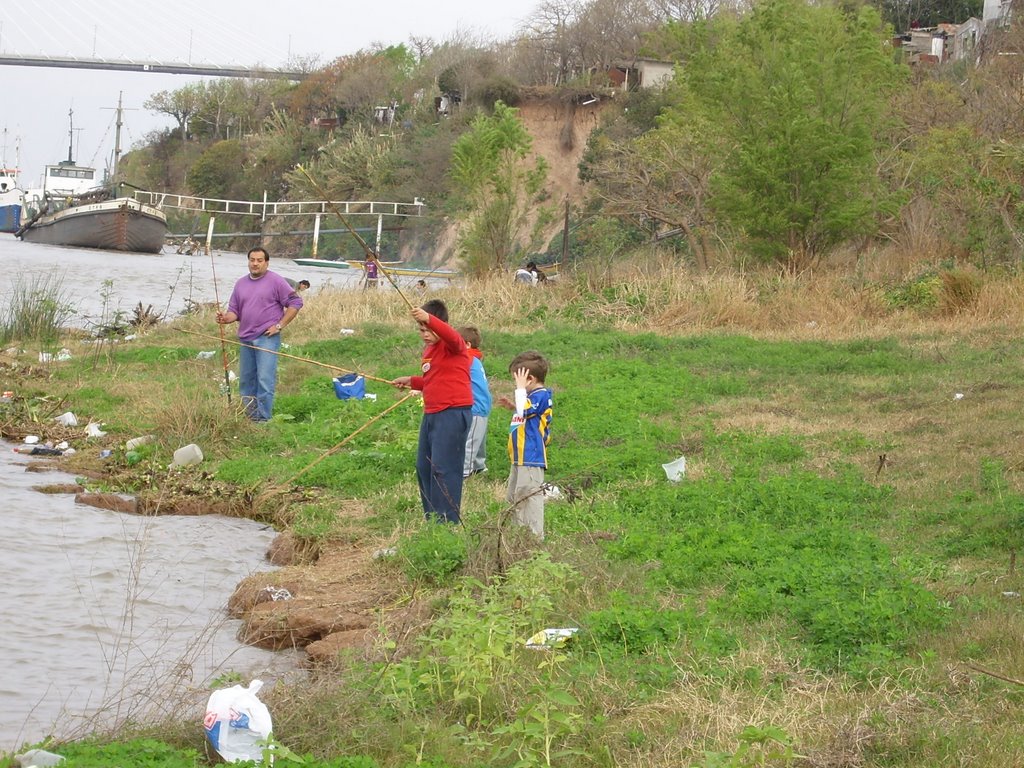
<point>351,386</point>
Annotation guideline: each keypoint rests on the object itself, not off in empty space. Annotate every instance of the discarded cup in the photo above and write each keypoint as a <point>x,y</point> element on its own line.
<point>31,439</point>
<point>187,455</point>
<point>675,470</point>
<point>67,419</point>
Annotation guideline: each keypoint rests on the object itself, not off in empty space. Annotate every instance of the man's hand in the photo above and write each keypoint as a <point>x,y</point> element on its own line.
<point>402,382</point>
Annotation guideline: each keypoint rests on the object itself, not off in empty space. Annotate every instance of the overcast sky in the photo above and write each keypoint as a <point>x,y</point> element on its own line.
<point>240,32</point>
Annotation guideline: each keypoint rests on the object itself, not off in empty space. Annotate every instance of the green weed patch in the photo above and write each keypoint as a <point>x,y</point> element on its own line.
<point>786,545</point>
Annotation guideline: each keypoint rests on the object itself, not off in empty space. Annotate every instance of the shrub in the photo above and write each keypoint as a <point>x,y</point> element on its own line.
<point>959,291</point>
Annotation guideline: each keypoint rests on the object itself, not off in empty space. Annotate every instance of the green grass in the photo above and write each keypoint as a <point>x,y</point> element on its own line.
<point>786,564</point>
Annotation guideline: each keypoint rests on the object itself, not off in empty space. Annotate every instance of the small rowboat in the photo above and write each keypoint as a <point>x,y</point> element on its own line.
<point>322,263</point>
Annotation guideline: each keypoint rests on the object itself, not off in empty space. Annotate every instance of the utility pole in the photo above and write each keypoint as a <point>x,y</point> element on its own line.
<point>565,235</point>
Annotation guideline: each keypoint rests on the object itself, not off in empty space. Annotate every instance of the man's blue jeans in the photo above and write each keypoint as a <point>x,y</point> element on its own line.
<point>257,376</point>
<point>442,452</point>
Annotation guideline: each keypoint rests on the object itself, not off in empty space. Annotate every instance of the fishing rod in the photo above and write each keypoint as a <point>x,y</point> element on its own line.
<point>223,345</point>
<point>292,357</point>
<point>341,444</point>
<point>370,254</point>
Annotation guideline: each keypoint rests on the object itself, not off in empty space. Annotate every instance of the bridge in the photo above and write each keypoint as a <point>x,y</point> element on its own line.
<point>164,67</point>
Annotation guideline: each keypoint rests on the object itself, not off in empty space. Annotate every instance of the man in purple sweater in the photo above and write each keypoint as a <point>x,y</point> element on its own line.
<point>263,304</point>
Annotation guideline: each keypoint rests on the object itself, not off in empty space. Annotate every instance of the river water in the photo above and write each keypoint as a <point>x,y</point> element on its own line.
<point>99,284</point>
<point>116,614</point>
<point>106,616</point>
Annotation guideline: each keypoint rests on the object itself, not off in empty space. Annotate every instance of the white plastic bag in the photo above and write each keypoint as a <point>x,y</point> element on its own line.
<point>236,720</point>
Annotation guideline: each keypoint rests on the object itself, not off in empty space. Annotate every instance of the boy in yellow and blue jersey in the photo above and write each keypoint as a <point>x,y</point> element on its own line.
<point>528,437</point>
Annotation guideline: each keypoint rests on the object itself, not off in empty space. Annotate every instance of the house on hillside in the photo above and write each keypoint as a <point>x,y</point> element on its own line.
<point>641,73</point>
<point>945,42</point>
<point>953,42</point>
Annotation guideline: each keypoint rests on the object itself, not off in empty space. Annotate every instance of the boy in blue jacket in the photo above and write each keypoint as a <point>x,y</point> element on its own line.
<point>476,440</point>
<point>528,438</point>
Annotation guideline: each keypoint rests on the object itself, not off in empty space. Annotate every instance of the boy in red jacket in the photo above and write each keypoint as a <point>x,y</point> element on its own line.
<point>447,412</point>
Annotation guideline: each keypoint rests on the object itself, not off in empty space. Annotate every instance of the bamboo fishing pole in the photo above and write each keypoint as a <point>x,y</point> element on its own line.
<point>291,357</point>
<point>370,253</point>
<point>223,345</point>
<point>340,445</point>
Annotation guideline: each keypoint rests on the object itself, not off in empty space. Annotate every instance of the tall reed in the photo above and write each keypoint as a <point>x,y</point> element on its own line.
<point>36,309</point>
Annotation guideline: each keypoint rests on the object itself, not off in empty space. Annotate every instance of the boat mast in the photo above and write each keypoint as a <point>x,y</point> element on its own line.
<point>117,140</point>
<point>71,134</point>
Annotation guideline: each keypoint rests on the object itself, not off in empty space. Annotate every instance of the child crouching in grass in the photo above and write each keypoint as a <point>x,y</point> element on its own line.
<point>528,437</point>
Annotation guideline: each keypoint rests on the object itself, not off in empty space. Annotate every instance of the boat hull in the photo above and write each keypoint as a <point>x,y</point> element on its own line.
<point>122,224</point>
<point>10,216</point>
<point>322,263</point>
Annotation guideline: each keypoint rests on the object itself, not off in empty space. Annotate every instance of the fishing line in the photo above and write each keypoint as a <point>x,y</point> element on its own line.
<point>370,254</point>
<point>333,449</point>
<point>291,357</point>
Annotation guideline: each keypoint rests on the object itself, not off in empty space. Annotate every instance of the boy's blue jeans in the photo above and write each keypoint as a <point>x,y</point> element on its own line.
<point>439,461</point>
<point>257,376</point>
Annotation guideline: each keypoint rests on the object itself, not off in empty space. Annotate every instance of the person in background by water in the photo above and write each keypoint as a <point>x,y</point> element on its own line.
<point>447,406</point>
<point>528,437</point>
<point>263,304</point>
<point>530,274</point>
<point>421,285</point>
<point>476,440</point>
<point>371,272</point>
<point>299,286</point>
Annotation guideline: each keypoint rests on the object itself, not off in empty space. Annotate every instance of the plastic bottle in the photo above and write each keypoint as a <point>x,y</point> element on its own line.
<point>186,455</point>
<point>135,442</point>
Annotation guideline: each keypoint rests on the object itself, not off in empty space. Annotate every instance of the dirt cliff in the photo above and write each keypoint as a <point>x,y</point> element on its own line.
<point>559,131</point>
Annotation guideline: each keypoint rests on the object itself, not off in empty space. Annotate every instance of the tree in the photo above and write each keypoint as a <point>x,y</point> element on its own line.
<point>662,176</point>
<point>798,95</point>
<point>216,170</point>
<point>180,104</point>
<point>497,185</point>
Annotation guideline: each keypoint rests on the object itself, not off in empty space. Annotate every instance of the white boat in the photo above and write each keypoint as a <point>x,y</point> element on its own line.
<point>11,200</point>
<point>12,197</point>
<point>72,210</point>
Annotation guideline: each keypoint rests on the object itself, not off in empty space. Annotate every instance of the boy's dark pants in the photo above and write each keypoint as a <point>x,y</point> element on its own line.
<point>439,462</point>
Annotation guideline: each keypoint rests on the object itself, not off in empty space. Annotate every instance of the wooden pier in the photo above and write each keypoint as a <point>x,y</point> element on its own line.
<point>265,209</point>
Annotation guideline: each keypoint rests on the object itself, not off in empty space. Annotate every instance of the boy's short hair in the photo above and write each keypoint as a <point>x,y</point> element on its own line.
<point>303,283</point>
<point>437,308</point>
<point>532,361</point>
<point>472,335</point>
